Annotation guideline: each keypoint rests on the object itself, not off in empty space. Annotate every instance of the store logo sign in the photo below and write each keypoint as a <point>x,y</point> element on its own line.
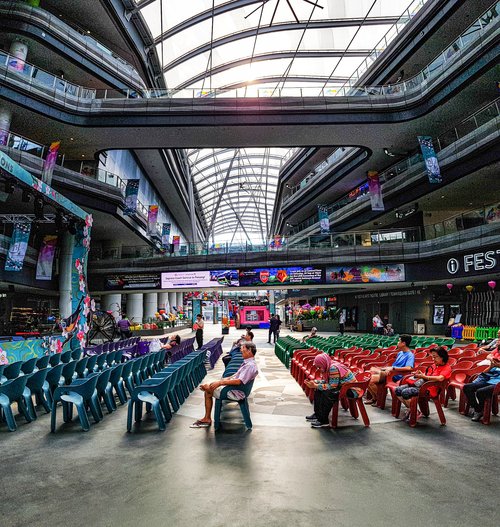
<point>483,261</point>
<point>453,266</point>
<point>264,277</point>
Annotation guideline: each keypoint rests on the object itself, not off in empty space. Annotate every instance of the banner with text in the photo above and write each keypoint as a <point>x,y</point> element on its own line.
<point>324,219</point>
<point>165,235</point>
<point>375,190</point>
<point>18,247</point>
<point>46,257</point>
<point>430,159</point>
<point>365,274</point>
<point>196,279</point>
<point>50,162</point>
<point>176,241</point>
<point>131,193</point>
<point>152,217</point>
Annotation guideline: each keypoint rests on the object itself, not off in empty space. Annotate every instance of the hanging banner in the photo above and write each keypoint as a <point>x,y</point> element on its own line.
<point>152,217</point>
<point>375,190</point>
<point>18,247</point>
<point>176,241</point>
<point>324,219</point>
<point>165,235</point>
<point>277,242</point>
<point>131,193</point>
<point>17,55</point>
<point>50,162</point>
<point>430,159</point>
<point>46,257</point>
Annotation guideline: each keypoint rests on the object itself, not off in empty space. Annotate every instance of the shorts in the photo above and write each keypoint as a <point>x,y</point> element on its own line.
<point>406,391</point>
<point>232,395</point>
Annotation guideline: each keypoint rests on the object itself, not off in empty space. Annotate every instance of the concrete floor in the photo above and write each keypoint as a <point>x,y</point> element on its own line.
<point>280,473</point>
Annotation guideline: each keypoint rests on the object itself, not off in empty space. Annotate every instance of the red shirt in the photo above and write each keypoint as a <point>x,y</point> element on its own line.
<point>436,371</point>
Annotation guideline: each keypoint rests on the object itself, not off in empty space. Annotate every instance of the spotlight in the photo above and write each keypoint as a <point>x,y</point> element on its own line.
<point>25,198</point>
<point>60,221</point>
<point>72,227</point>
<point>9,186</point>
<point>39,203</point>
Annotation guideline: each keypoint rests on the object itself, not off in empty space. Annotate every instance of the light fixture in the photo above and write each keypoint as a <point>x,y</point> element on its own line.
<point>25,198</point>
<point>39,203</point>
<point>387,153</point>
<point>72,226</point>
<point>442,197</point>
<point>83,155</point>
<point>71,138</point>
<point>9,186</point>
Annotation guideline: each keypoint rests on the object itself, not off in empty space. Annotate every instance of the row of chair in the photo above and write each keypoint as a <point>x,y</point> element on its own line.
<point>112,346</point>
<point>213,350</point>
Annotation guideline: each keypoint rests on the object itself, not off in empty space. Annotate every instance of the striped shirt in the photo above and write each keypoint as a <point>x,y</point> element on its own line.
<point>337,378</point>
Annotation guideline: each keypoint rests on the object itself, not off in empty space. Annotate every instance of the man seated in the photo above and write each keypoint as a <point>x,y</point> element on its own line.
<point>245,338</point>
<point>404,363</point>
<point>246,373</point>
<point>239,342</point>
<point>313,333</point>
<point>492,346</point>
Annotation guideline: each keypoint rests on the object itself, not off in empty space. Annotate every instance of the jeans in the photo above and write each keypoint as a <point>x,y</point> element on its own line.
<point>477,393</point>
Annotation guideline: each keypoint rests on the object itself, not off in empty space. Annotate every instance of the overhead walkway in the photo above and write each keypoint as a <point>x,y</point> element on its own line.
<point>161,119</point>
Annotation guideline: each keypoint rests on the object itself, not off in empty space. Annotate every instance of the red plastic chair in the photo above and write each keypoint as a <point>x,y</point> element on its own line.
<point>356,406</point>
<point>391,385</point>
<point>459,376</point>
<point>491,406</point>
<point>472,346</point>
<point>298,359</point>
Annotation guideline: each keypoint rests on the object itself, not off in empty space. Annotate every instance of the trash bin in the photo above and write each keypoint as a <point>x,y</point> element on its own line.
<point>419,326</point>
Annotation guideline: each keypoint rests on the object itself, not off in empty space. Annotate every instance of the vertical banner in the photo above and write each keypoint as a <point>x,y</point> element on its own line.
<point>430,159</point>
<point>324,219</point>
<point>131,193</point>
<point>176,241</point>
<point>18,52</point>
<point>152,217</point>
<point>50,162</point>
<point>18,246</point>
<point>375,190</point>
<point>165,235</point>
<point>46,257</point>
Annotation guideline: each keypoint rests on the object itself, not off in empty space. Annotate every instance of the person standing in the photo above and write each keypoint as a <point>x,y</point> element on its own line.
<point>378,325</point>
<point>342,318</point>
<point>198,327</point>
<point>124,327</point>
<point>274,327</point>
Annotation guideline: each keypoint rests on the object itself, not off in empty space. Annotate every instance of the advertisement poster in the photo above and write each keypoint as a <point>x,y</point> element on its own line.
<point>152,217</point>
<point>18,247</point>
<point>493,213</point>
<point>438,317</point>
<point>280,276</point>
<point>50,162</point>
<point>365,274</point>
<point>375,191</point>
<point>176,241</point>
<point>430,159</point>
<point>278,242</point>
<point>132,281</point>
<point>196,279</point>
<point>131,193</point>
<point>46,257</point>
<point>165,235</point>
<point>324,219</point>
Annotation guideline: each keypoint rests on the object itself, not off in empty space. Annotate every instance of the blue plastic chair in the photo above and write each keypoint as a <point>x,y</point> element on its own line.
<point>76,354</point>
<point>81,395</point>
<point>101,361</point>
<point>14,392</point>
<point>13,370</point>
<point>42,362</point>
<point>66,356</point>
<point>243,404</point>
<point>52,381</point>
<point>116,381</point>
<point>81,367</point>
<point>127,375</point>
<point>91,364</point>
<point>29,365</point>
<point>35,383</point>
<point>68,372</point>
<point>55,359</point>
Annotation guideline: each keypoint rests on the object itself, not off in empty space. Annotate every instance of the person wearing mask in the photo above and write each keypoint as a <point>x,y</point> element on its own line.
<point>327,389</point>
<point>198,327</point>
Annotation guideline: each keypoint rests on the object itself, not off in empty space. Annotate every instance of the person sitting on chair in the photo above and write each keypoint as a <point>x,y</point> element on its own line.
<point>246,373</point>
<point>246,338</point>
<point>327,389</point>
<point>124,327</point>
<point>311,335</point>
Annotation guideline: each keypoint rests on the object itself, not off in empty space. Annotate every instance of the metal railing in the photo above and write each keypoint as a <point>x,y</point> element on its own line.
<point>21,143</point>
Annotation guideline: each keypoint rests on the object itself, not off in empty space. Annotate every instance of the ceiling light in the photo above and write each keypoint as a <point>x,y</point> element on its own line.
<point>39,203</point>
<point>25,198</point>
<point>83,155</point>
<point>442,197</point>
<point>71,138</point>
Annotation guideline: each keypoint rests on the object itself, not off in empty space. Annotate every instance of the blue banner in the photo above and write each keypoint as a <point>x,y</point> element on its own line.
<point>131,193</point>
<point>430,159</point>
<point>18,246</point>
<point>324,219</point>
<point>165,235</point>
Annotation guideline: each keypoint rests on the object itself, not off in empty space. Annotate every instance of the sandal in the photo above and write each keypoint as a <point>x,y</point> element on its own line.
<point>201,424</point>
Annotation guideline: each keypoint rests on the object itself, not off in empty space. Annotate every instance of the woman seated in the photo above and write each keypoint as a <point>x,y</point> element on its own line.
<point>327,389</point>
<point>174,340</point>
<point>439,372</point>
<point>389,330</point>
<point>311,335</point>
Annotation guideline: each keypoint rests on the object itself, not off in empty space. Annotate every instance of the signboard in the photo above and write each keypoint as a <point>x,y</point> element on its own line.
<point>365,274</point>
<point>280,276</point>
<point>132,281</point>
<point>198,279</point>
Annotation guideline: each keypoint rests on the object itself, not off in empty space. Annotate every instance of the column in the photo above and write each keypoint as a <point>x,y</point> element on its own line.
<point>150,305</point>
<point>113,303</point>
<point>180,300</point>
<point>162,300</point>
<point>18,52</point>
<point>135,307</point>
<point>172,300</point>
<point>5,120</point>
<point>65,269</point>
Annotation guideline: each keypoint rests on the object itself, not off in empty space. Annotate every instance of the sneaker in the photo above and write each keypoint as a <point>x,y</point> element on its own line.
<point>318,424</point>
<point>311,417</point>
<point>477,416</point>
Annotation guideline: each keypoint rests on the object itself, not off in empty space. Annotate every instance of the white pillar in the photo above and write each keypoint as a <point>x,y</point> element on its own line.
<point>172,300</point>
<point>180,300</point>
<point>5,120</point>
<point>113,303</point>
<point>18,52</point>
<point>135,307</point>
<point>150,305</point>
<point>162,300</point>
<point>65,268</point>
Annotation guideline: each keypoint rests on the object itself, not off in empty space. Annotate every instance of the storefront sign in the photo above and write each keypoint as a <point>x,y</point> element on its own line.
<point>199,279</point>
<point>281,276</point>
<point>474,262</point>
<point>365,274</point>
<point>132,281</point>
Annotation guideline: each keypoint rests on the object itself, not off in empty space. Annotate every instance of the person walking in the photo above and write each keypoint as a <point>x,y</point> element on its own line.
<point>198,327</point>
